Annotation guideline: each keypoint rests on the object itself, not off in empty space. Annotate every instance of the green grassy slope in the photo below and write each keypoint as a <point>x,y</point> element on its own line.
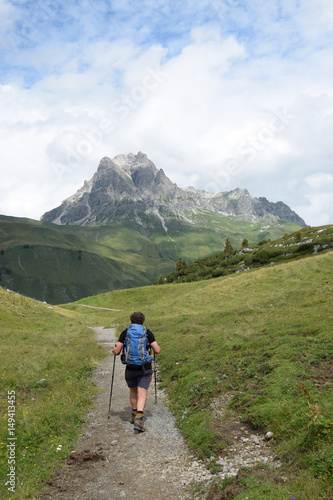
<point>307,241</point>
<point>208,235</point>
<point>237,229</point>
<point>46,361</point>
<point>56,275</point>
<point>266,337</point>
<point>59,264</point>
<point>63,263</point>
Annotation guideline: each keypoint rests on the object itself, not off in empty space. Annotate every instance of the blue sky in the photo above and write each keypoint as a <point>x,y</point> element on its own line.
<point>219,93</point>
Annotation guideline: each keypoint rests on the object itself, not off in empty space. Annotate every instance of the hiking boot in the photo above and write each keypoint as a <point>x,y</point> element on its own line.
<point>133,417</point>
<point>138,425</point>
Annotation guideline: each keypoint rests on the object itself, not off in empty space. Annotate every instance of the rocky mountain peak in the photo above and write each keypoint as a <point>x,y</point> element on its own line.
<point>136,169</point>
<point>130,187</point>
<point>238,193</point>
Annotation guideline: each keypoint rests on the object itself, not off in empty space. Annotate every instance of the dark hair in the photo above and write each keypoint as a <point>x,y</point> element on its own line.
<point>137,318</point>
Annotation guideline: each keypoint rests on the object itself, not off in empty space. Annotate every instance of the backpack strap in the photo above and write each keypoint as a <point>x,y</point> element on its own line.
<point>143,346</point>
<point>125,350</point>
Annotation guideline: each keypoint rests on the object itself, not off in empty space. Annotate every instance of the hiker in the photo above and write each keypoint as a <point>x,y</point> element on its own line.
<point>138,362</point>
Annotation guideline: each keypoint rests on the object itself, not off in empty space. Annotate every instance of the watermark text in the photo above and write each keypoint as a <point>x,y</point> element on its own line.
<point>11,441</point>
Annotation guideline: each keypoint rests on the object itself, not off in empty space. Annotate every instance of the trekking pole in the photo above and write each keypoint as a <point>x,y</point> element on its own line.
<point>114,362</point>
<point>155,377</point>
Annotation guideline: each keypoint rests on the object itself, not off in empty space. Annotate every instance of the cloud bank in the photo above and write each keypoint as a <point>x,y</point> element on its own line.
<point>222,95</point>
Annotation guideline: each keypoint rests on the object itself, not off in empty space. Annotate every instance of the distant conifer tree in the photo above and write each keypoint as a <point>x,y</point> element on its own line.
<point>179,264</point>
<point>298,236</point>
<point>228,248</point>
<point>245,243</point>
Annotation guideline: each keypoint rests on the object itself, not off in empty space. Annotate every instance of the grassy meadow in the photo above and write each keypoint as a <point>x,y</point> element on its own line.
<point>265,336</point>
<point>307,241</point>
<point>46,361</point>
<point>61,264</point>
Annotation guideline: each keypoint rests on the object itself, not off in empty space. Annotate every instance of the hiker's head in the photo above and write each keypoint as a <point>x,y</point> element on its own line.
<point>137,318</point>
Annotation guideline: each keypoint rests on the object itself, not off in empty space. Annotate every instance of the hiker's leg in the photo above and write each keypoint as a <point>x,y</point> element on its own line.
<point>142,398</point>
<point>143,385</point>
<point>134,397</point>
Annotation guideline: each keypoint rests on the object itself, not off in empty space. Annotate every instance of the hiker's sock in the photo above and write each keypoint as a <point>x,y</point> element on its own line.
<point>139,414</point>
<point>134,412</point>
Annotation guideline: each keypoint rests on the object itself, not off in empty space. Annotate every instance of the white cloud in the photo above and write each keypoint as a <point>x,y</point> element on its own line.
<point>313,197</point>
<point>199,89</point>
<point>318,209</point>
<point>320,181</point>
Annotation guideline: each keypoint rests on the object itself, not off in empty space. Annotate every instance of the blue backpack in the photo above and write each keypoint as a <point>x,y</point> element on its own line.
<point>136,350</point>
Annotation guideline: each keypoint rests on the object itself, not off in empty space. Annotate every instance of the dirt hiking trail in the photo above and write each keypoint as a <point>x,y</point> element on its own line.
<point>111,462</point>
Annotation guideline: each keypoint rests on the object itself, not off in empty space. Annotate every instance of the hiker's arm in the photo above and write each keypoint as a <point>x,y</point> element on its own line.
<point>155,347</point>
<point>152,342</point>
<point>117,348</point>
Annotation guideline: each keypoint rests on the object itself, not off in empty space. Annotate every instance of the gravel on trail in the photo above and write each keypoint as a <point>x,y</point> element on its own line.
<point>110,461</point>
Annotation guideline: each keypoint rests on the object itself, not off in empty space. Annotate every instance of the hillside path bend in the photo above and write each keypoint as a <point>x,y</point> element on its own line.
<point>151,465</point>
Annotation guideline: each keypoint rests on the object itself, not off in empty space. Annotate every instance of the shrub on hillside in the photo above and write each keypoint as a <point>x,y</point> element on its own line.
<point>248,259</point>
<point>234,260</point>
<point>261,256</point>
<point>218,272</point>
<point>304,248</point>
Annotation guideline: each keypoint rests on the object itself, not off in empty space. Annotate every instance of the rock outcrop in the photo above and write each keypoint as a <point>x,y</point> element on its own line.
<point>131,188</point>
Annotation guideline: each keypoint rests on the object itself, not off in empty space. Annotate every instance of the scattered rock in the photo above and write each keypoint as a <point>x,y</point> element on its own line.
<point>255,439</point>
<point>245,250</point>
<point>43,382</point>
<point>280,479</point>
<point>245,449</point>
<point>222,462</point>
<point>268,435</point>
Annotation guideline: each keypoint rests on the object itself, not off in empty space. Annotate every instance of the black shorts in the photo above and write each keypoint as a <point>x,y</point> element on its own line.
<point>138,378</point>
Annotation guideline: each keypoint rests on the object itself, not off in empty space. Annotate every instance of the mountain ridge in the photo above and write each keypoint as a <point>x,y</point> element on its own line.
<point>125,227</point>
<point>132,187</point>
